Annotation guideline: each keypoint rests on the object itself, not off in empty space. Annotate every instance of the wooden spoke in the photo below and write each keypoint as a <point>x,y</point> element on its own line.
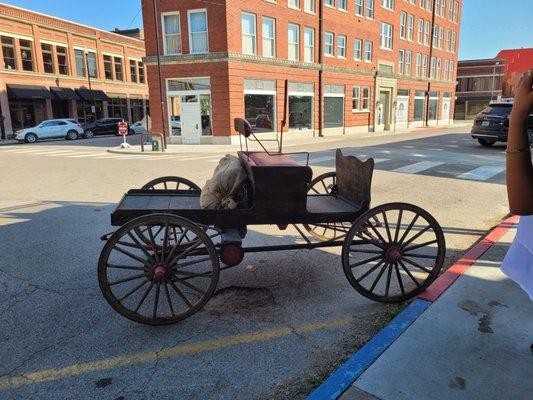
<point>133,256</point>
<point>415,264</point>
<point>384,214</point>
<point>408,229</point>
<point>378,277</point>
<point>366,251</point>
<point>418,256</point>
<point>180,294</point>
<point>131,278</point>
<point>139,245</point>
<point>427,228</point>
<point>399,277</point>
<point>189,263</point>
<point>189,285</point>
<point>169,300</point>
<point>409,273</point>
<point>398,225</point>
<point>145,294</point>
<point>129,267</point>
<point>156,302</point>
<point>370,271</point>
<point>140,285</point>
<point>366,261</point>
<point>421,245</point>
<point>387,285</point>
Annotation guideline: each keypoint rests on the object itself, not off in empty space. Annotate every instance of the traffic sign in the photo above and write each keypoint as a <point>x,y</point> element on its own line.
<point>122,128</point>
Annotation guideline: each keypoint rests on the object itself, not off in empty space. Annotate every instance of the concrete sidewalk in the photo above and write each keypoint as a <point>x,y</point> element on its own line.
<point>473,342</point>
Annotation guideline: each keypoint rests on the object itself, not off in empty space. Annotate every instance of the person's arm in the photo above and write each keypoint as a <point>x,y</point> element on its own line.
<point>519,167</point>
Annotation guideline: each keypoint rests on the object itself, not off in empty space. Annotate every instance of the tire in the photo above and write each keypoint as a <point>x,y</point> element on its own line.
<point>486,143</point>
<point>89,134</point>
<point>72,135</point>
<point>399,239</point>
<point>171,183</point>
<point>30,138</point>
<point>131,132</point>
<point>181,264</point>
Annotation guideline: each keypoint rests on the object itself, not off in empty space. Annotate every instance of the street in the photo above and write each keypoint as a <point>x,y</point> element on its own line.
<point>276,326</point>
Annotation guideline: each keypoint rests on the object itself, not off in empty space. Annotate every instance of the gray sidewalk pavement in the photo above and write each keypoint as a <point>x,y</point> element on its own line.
<point>473,343</point>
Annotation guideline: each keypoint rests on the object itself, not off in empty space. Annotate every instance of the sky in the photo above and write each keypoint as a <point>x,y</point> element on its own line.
<point>487,26</point>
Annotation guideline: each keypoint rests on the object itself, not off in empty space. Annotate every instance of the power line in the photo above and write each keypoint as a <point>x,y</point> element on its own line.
<point>134,18</point>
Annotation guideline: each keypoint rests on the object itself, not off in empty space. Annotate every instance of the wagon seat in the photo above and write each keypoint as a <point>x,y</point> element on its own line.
<point>279,182</point>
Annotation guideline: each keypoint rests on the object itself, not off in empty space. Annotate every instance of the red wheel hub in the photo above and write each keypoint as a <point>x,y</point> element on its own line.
<point>394,254</point>
<point>160,271</point>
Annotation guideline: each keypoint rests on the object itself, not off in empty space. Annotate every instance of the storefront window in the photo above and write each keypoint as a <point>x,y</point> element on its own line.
<point>26,113</point>
<point>137,113</point>
<point>86,114</point>
<point>8,50</point>
<point>333,112</point>
<point>48,60</point>
<point>300,112</point>
<point>259,111</point>
<point>26,54</point>
<point>118,108</point>
<point>205,110</point>
<point>419,105</point>
<point>433,105</point>
<point>175,115</point>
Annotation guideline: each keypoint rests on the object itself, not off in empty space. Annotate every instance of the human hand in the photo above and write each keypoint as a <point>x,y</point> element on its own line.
<point>523,101</point>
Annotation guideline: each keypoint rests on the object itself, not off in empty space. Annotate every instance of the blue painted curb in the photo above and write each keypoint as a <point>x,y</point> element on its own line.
<point>340,380</point>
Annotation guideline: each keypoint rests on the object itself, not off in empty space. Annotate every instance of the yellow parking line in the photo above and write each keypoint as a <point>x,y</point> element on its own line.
<point>30,378</point>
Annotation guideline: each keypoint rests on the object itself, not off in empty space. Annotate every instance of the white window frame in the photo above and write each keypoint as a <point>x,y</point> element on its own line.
<point>267,39</point>
<point>401,59</point>
<point>427,33</point>
<point>367,52</point>
<point>344,6</point>
<point>328,34</point>
<point>369,9</point>
<point>307,8</point>
<point>195,11</point>
<point>295,6</point>
<point>410,27</point>
<point>180,34</point>
<point>386,39</point>
<point>356,99</point>
<point>424,66</point>
<point>403,25</point>
<point>343,47</point>
<point>312,47</point>
<point>387,4</point>
<point>358,49</point>
<point>361,5</point>
<point>453,47</point>
<point>420,37</point>
<point>297,43</point>
<point>408,62</point>
<point>418,67</point>
<point>254,35</point>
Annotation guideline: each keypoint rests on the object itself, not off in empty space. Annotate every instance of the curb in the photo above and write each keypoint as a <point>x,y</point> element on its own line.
<point>136,152</point>
<point>340,380</point>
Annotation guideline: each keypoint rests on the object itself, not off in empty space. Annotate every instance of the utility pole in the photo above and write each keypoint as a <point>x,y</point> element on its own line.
<point>321,63</point>
<point>430,61</point>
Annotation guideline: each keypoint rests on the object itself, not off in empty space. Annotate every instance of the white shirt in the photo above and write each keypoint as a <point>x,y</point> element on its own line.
<point>518,263</point>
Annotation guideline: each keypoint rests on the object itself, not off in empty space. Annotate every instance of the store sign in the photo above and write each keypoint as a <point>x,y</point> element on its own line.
<point>402,109</point>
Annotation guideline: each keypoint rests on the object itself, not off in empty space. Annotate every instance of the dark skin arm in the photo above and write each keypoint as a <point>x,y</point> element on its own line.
<point>519,167</point>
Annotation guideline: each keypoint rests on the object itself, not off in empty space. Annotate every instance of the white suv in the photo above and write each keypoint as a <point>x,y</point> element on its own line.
<point>50,129</point>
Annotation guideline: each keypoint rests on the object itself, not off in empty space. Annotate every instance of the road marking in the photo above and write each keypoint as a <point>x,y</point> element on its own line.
<point>84,154</point>
<point>25,379</point>
<point>418,167</point>
<point>482,173</point>
<point>380,160</point>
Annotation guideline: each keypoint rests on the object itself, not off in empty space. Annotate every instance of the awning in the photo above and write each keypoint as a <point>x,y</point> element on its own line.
<point>64,93</point>
<point>92,95</point>
<point>28,92</point>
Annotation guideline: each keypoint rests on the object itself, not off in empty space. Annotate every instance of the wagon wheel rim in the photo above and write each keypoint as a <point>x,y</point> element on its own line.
<point>393,252</point>
<point>326,184</point>
<point>166,183</point>
<point>162,282</point>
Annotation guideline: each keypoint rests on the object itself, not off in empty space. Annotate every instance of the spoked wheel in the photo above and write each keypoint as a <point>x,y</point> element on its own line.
<point>393,252</point>
<point>171,183</point>
<point>326,184</point>
<point>164,281</point>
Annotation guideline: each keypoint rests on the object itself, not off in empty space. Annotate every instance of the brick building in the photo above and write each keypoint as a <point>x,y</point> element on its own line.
<point>478,83</point>
<point>375,64</point>
<point>517,61</point>
<point>52,68</point>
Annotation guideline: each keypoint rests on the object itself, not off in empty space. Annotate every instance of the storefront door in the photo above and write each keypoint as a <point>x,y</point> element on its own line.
<point>191,119</point>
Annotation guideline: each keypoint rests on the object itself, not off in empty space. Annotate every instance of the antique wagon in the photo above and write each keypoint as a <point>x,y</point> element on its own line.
<point>162,265</point>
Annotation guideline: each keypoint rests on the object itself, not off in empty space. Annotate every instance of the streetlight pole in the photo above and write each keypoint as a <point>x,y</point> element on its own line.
<point>493,79</point>
<point>159,71</point>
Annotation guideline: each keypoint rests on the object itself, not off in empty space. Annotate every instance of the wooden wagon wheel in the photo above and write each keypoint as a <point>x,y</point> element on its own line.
<point>326,184</point>
<point>162,282</point>
<point>166,183</point>
<point>397,259</point>
<point>171,183</point>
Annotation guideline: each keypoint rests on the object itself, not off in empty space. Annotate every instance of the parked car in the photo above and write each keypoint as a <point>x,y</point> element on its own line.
<point>104,126</point>
<point>138,127</point>
<point>51,129</point>
<point>492,124</point>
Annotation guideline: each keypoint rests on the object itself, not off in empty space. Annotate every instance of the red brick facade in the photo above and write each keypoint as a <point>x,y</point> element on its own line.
<point>228,68</point>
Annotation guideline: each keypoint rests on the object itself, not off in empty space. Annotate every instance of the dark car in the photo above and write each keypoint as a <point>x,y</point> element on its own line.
<point>104,126</point>
<point>492,124</point>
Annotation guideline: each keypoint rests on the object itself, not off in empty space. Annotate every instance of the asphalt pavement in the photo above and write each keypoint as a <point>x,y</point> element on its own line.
<point>277,325</point>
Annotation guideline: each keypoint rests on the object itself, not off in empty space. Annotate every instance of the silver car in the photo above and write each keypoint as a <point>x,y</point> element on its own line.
<point>51,129</point>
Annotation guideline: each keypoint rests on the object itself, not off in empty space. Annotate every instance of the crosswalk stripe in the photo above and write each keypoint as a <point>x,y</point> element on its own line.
<point>418,167</point>
<point>482,173</point>
<point>380,160</point>
<point>83,155</point>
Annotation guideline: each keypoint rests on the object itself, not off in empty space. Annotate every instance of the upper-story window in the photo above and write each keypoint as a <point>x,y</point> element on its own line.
<point>142,78</point>
<point>329,44</point>
<point>370,8</point>
<point>48,58</point>
<point>359,7</point>
<point>310,6</point>
<point>172,34</point>
<point>62,60</point>
<point>108,67</point>
<point>358,49</point>
<point>427,32</point>
<point>133,71</point>
<point>341,46</point>
<point>342,5</point>
<point>309,45</point>
<point>368,51</point>
<point>387,4</point>
<point>453,46</point>
<point>248,26</point>
<point>330,3</point>
<point>386,36</point>
<point>294,4</point>
<point>8,50</point>
<point>198,40</point>
<point>269,37</point>
<point>408,62</point>
<point>420,31</point>
<point>450,10</point>
<point>443,8</point>
<point>410,27</point>
<point>403,25</point>
<point>119,71</point>
<point>91,64</point>
<point>455,11</point>
<point>294,42</point>
<point>80,63</point>
<point>26,54</point>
